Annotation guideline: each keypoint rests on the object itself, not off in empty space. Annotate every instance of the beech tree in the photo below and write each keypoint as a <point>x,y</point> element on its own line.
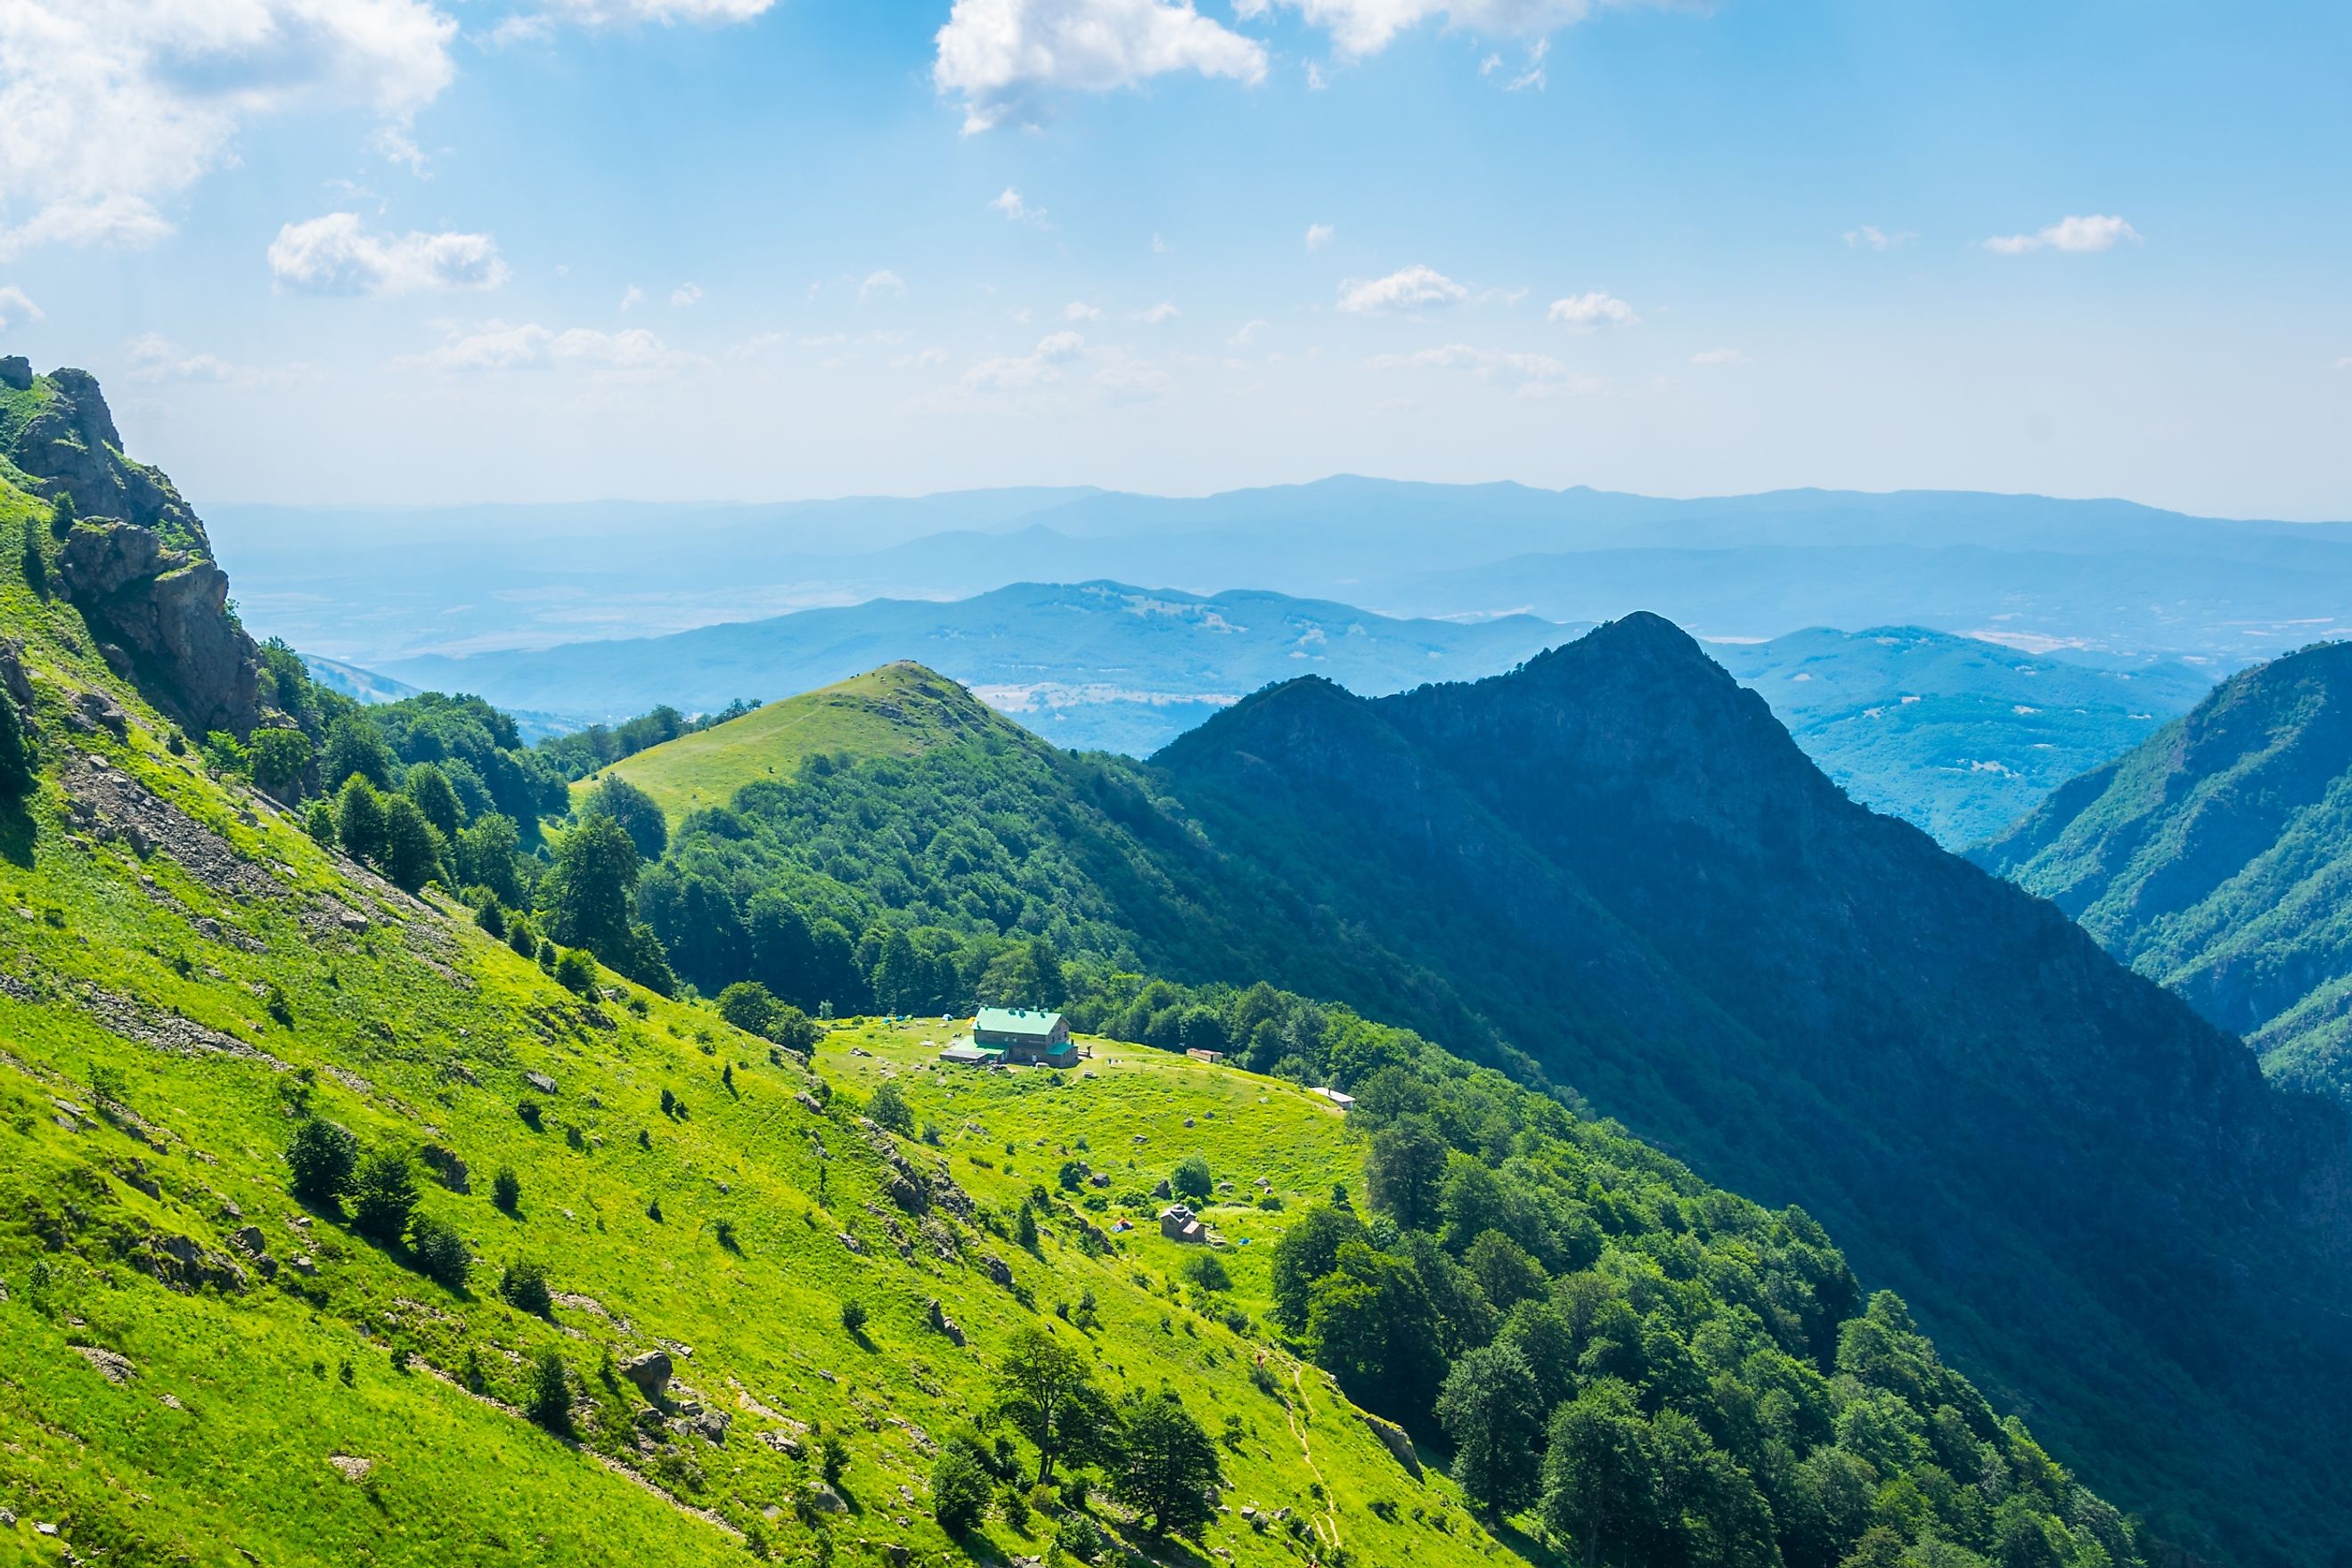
<point>1042,1391</point>
<point>1165,1467</point>
<point>1492,1407</point>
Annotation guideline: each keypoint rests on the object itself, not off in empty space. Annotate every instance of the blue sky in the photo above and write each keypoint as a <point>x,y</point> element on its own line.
<point>436,250</point>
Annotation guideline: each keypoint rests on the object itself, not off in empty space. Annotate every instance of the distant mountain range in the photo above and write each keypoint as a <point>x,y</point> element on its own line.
<point>2103,574</point>
<point>2217,857</point>
<point>1958,735</point>
<point>1098,666</point>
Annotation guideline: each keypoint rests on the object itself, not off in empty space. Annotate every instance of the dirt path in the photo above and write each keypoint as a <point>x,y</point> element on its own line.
<point>1330,1504</point>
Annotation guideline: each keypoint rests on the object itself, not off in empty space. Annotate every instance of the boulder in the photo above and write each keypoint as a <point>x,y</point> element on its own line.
<point>650,1372</point>
<point>824,1500</point>
<point>111,1365</point>
<point>1394,1437</point>
<point>540,1081</point>
<point>996,1268</point>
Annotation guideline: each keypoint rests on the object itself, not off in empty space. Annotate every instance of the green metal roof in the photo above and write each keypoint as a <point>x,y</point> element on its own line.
<point>1016,1021</point>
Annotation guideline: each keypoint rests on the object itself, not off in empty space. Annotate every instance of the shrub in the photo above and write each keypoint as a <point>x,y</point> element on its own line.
<point>1191,1178</point>
<point>959,1489</point>
<point>524,1286</point>
<point>576,971</point>
<point>1016,1508</point>
<point>1079,1539</point>
<point>528,1109</point>
<point>831,1457</point>
<point>491,918</point>
<point>384,1195</point>
<point>853,1315</point>
<point>889,1107</point>
<point>1207,1270</point>
<point>441,1254</point>
<point>547,1394</point>
<point>322,1157</point>
<point>505,1189</point>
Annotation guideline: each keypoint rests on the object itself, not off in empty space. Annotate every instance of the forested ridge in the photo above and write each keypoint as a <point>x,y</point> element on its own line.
<point>2214,856</point>
<point>1806,1001</point>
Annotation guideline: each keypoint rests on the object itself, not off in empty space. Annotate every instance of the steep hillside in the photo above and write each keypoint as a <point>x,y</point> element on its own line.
<point>1614,868</point>
<point>1646,885</point>
<point>2217,858</point>
<point>334,1228</point>
<point>901,710</point>
<point>1957,736</point>
<point>585,1298</point>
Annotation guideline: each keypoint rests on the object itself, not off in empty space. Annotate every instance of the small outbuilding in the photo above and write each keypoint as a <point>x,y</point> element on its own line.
<point>1346,1103</point>
<point>1179,1223</point>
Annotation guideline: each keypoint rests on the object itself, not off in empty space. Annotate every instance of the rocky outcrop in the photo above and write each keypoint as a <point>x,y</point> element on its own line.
<point>163,618</point>
<point>138,566</point>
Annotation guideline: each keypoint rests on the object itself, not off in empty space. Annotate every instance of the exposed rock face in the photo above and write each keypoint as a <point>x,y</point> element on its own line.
<point>650,1372</point>
<point>1395,1439</point>
<point>138,567</point>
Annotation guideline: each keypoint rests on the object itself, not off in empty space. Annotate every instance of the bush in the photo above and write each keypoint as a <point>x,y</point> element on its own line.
<point>1016,1508</point>
<point>506,1190</point>
<point>547,1394</point>
<point>322,1157</point>
<point>441,1254</point>
<point>524,1286</point>
<point>1191,1178</point>
<point>1079,1539</point>
<point>889,1107</point>
<point>959,1489</point>
<point>853,1316</point>
<point>1207,1270</point>
<point>384,1195</point>
<point>576,971</point>
<point>831,1457</point>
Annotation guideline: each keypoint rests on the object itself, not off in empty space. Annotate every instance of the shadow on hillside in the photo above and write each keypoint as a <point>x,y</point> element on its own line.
<point>17,835</point>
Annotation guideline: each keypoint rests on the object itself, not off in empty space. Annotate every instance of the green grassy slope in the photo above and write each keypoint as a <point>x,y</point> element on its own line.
<point>177,996</point>
<point>2217,858</point>
<point>901,710</point>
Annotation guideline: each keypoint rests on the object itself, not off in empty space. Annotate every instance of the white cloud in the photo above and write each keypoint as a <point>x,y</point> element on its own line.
<point>1016,210</point>
<point>1531,77</point>
<point>685,294</point>
<point>14,303</point>
<point>1247,334</point>
<point>624,13</point>
<point>1360,27</point>
<point>923,360</point>
<point>497,346</point>
<point>336,255</point>
<point>1413,288</point>
<point>109,107</point>
<point>1159,245</point>
<point>156,359</point>
<point>883,285</point>
<point>1593,310</point>
<point>630,297</point>
<point>1122,378</point>
<point>1316,80</point>
<point>1872,236</point>
<point>1319,234</point>
<point>1040,366</point>
<point>395,145</point>
<point>1718,356</point>
<point>1079,310</point>
<point>1165,310</point>
<point>1526,375</point>
<point>1000,55</point>
<point>2078,236</point>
